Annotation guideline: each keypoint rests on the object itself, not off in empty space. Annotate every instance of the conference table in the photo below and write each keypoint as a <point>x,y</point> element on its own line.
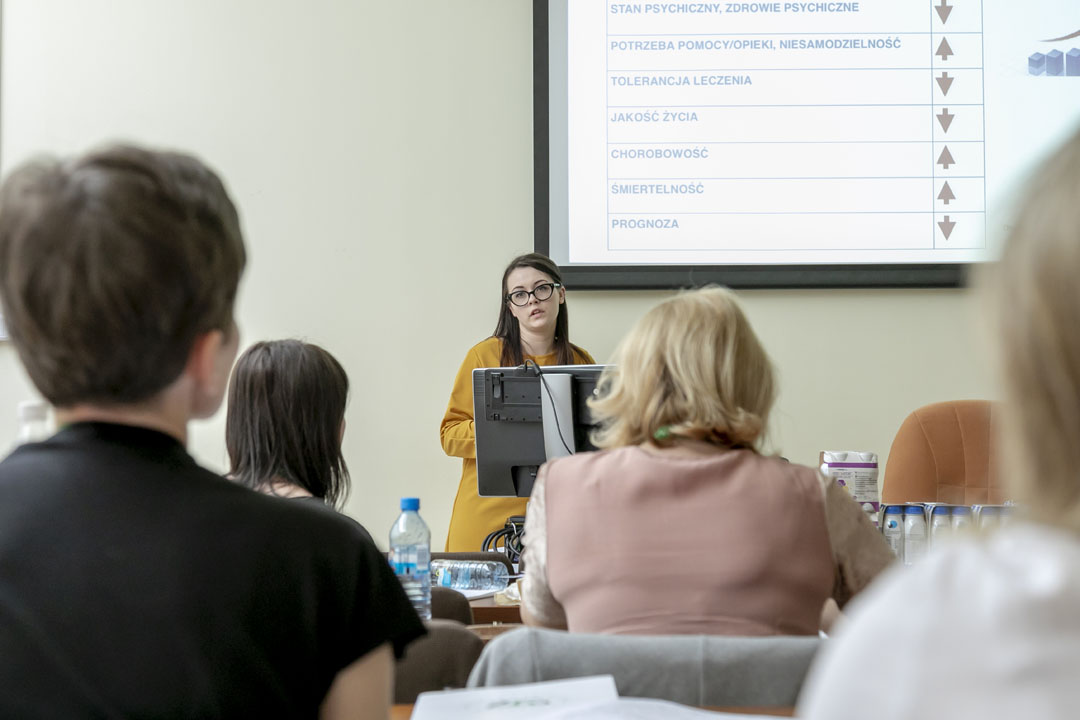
<point>404,712</point>
<point>486,612</point>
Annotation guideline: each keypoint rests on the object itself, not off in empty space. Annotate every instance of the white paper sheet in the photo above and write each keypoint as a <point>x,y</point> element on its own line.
<point>477,594</point>
<point>533,700</point>
<point>639,709</point>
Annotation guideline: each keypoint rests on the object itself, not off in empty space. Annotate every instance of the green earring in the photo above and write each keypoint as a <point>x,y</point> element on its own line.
<point>662,433</point>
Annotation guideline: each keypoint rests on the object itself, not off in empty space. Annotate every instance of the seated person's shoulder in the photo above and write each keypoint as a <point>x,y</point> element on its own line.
<point>320,506</point>
<point>591,462</point>
<point>486,353</point>
<point>306,523</point>
<point>809,479</point>
<point>305,542</point>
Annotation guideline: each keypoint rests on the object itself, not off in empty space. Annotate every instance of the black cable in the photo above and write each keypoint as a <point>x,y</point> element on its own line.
<point>515,545</point>
<point>515,540</point>
<point>551,397</point>
<point>492,540</point>
<point>512,536</point>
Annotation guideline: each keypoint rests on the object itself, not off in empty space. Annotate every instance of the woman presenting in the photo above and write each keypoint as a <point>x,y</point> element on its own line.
<point>533,325</point>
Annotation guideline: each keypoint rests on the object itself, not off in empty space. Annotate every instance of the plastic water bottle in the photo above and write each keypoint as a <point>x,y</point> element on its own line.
<point>470,574</point>
<point>940,524</point>
<point>894,529</point>
<point>989,517</point>
<point>33,422</point>
<point>914,534</point>
<point>961,517</point>
<point>410,555</point>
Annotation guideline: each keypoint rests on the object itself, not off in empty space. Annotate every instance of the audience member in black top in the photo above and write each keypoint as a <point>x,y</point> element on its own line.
<point>133,583</point>
<point>286,421</point>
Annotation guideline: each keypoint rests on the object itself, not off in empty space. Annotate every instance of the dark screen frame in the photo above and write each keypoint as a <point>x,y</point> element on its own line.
<point>664,277</point>
<point>509,430</point>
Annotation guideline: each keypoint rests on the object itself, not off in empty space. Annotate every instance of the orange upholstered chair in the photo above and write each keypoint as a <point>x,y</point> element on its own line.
<point>945,453</point>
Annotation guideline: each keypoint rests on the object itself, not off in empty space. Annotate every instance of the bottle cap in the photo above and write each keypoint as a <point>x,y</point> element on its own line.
<point>410,504</point>
<point>961,510</point>
<point>941,510</point>
<point>913,510</point>
<point>894,510</point>
<point>33,410</point>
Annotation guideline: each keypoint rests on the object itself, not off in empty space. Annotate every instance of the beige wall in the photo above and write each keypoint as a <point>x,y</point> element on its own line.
<point>381,157</point>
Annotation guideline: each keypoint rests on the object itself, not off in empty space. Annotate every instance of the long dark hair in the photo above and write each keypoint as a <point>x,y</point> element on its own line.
<point>507,328</point>
<point>286,407</point>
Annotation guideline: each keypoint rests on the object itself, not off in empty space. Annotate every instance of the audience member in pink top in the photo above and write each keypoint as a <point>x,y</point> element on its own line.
<point>680,525</point>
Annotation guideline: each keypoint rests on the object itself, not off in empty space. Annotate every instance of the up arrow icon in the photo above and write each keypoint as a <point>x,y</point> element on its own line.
<point>944,50</point>
<point>945,159</point>
<point>943,11</point>
<point>945,196</point>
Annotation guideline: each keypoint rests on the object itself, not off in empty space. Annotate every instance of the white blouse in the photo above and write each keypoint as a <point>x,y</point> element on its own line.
<point>986,628</point>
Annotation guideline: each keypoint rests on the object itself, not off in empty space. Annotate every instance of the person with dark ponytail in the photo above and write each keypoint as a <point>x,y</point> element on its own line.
<point>533,325</point>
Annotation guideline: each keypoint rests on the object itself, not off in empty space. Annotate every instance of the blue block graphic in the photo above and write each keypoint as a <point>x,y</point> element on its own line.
<point>1055,63</point>
<point>1037,64</point>
<point>1072,62</point>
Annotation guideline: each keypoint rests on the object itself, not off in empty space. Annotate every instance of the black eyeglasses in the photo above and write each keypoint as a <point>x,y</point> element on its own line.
<point>540,292</point>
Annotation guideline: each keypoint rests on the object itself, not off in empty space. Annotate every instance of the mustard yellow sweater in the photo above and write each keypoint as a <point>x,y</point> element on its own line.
<point>475,517</point>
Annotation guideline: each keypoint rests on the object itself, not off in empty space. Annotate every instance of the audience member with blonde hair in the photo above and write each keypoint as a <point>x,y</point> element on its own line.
<point>680,525</point>
<point>989,627</point>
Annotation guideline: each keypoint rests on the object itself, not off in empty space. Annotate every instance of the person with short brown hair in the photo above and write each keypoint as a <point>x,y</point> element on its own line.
<point>79,281</point>
<point>133,582</point>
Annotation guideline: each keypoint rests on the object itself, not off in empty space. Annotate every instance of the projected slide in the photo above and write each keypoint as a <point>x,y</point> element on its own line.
<point>802,132</point>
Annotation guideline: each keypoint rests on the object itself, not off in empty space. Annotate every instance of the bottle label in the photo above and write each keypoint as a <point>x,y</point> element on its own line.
<point>456,575</point>
<point>410,560</point>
